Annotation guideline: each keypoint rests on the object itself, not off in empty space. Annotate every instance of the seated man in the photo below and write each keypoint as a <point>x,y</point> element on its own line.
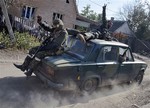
<point>49,47</point>
<point>112,55</point>
<point>123,57</point>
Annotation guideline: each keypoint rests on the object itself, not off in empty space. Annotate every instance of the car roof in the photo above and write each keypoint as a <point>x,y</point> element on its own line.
<point>104,42</point>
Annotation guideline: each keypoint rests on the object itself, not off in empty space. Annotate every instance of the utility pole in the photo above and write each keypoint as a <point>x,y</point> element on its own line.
<point>7,20</point>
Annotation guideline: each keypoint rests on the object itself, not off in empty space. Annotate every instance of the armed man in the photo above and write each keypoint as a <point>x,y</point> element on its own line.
<point>100,33</point>
<point>51,46</point>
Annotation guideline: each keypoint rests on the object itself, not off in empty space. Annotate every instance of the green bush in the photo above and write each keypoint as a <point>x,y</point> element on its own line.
<point>24,41</point>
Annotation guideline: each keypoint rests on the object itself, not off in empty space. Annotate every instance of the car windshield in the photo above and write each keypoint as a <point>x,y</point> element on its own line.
<point>80,49</point>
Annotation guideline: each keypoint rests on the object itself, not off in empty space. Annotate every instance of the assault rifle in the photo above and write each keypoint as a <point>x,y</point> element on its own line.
<point>44,43</point>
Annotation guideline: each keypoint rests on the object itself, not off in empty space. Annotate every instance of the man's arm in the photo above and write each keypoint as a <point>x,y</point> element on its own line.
<point>43,24</point>
<point>46,27</point>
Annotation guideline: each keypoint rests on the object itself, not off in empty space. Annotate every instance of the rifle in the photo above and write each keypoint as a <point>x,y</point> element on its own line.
<point>105,32</point>
<point>104,21</point>
<point>44,43</point>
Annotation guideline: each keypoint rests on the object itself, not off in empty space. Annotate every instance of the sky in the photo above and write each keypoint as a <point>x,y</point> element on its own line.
<point>113,6</point>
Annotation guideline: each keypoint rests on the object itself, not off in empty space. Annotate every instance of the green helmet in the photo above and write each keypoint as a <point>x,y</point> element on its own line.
<point>58,22</point>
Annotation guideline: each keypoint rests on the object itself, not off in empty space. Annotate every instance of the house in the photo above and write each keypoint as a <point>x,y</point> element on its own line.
<point>121,26</point>
<point>121,30</point>
<point>85,23</point>
<point>25,12</point>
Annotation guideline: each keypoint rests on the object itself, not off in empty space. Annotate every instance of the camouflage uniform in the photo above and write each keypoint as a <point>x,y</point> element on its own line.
<point>51,46</point>
<point>86,35</point>
<point>99,33</point>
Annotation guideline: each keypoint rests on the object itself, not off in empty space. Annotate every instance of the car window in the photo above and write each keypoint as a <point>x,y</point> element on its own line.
<point>108,53</point>
<point>126,53</point>
<point>129,56</point>
<point>80,49</point>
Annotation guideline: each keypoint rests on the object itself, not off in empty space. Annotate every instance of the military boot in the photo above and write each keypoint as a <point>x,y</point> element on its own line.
<point>32,67</point>
<point>25,65</point>
<point>21,67</point>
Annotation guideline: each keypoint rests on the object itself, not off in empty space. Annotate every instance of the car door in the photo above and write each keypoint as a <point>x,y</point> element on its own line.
<point>125,71</point>
<point>107,65</point>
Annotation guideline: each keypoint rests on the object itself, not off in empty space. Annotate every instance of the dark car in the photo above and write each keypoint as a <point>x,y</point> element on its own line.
<point>88,66</point>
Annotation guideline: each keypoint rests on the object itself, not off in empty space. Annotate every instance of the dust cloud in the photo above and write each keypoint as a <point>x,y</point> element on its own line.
<point>18,92</point>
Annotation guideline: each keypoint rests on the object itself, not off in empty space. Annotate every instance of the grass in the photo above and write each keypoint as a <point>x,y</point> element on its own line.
<point>24,41</point>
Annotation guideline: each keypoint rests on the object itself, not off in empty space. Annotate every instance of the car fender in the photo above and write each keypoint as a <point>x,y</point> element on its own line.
<point>90,75</point>
<point>142,70</point>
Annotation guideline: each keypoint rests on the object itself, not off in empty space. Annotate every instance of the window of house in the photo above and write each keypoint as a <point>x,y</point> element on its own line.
<point>57,16</point>
<point>28,12</point>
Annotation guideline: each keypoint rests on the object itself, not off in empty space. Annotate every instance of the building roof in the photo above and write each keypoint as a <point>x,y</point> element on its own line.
<point>82,18</point>
<point>116,25</point>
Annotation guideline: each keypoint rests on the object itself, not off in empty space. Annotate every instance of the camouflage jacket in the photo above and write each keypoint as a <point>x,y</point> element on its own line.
<point>57,39</point>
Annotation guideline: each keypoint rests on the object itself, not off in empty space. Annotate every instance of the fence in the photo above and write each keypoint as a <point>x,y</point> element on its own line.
<point>21,23</point>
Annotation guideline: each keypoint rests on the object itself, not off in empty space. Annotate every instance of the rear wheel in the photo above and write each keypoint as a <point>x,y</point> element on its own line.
<point>89,85</point>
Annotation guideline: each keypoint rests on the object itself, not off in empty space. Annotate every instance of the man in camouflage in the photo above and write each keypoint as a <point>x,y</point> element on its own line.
<point>99,33</point>
<point>51,46</point>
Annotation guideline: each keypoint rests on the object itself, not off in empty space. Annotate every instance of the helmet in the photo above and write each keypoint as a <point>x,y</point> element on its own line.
<point>57,22</point>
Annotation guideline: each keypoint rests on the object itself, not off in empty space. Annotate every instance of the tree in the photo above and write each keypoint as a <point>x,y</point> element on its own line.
<point>138,16</point>
<point>7,20</point>
<point>90,14</point>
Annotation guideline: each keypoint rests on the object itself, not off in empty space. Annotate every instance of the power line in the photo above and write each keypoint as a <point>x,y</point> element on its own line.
<point>102,6</point>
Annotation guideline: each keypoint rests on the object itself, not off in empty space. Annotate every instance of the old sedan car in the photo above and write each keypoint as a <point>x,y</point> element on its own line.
<point>88,66</point>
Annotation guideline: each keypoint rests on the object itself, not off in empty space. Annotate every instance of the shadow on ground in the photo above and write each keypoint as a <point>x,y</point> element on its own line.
<point>18,92</point>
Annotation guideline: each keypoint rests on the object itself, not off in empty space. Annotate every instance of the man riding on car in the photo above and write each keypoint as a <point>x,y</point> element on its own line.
<point>49,47</point>
<point>100,33</point>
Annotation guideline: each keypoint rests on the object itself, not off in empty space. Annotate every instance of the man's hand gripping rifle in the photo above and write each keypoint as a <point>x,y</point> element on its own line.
<point>44,43</point>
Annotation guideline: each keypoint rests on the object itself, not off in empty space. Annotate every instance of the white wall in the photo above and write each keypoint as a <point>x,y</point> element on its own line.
<point>124,29</point>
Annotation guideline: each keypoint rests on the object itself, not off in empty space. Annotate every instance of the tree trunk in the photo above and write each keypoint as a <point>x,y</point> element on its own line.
<point>7,20</point>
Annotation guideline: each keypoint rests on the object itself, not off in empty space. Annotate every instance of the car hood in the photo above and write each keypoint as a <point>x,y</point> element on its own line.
<point>59,60</point>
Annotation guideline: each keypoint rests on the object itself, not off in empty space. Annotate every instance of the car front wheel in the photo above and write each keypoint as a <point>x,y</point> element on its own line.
<point>89,85</point>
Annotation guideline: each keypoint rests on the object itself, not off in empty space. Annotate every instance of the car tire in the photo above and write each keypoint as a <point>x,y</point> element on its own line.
<point>139,78</point>
<point>89,85</point>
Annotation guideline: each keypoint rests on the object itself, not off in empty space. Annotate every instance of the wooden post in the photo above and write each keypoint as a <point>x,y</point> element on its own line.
<point>7,20</point>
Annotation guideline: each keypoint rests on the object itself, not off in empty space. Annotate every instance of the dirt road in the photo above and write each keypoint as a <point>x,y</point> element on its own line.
<point>18,92</point>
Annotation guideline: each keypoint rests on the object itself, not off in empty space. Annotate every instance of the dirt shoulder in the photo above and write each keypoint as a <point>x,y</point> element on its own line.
<point>9,55</point>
